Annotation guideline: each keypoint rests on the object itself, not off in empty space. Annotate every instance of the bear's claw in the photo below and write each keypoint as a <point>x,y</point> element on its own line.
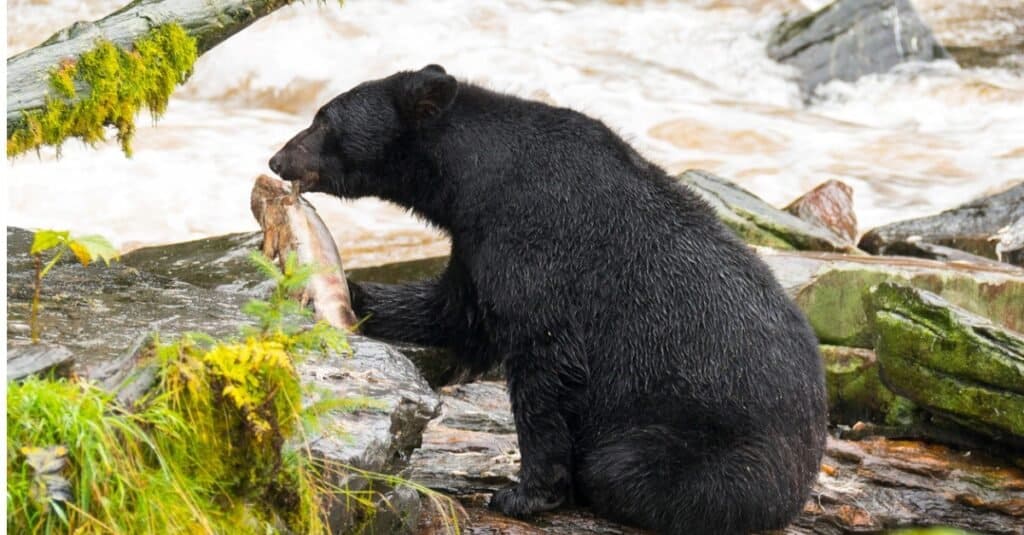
<point>515,502</point>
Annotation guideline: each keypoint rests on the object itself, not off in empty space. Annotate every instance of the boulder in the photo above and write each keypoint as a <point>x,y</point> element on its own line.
<point>377,439</point>
<point>855,389</point>
<point>1010,248</point>
<point>828,205</point>
<point>973,227</point>
<point>950,361</point>
<point>832,289</point>
<point>848,39</point>
<point>98,312</point>
<point>864,486</point>
<point>102,317</point>
<point>758,222</point>
<point>218,263</point>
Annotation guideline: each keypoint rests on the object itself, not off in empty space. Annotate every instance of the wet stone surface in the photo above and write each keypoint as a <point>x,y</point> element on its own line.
<point>97,312</point>
<point>973,227</point>
<point>864,486</point>
<point>759,223</point>
<point>848,39</point>
<point>101,316</point>
<point>830,204</point>
<point>831,289</point>
<point>378,439</point>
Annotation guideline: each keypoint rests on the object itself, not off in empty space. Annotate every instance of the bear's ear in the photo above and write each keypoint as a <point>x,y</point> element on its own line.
<point>426,94</point>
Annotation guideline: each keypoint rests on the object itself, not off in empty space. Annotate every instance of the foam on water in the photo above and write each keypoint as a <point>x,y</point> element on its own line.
<point>687,83</point>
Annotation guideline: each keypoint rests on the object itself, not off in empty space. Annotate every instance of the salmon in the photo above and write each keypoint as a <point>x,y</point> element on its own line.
<point>289,224</point>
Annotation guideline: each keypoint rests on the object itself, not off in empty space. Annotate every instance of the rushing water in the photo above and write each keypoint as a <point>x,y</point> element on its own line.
<point>688,83</point>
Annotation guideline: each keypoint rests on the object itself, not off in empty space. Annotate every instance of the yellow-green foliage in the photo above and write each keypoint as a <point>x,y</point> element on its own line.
<point>204,451</point>
<point>122,480</point>
<point>205,446</point>
<point>115,84</point>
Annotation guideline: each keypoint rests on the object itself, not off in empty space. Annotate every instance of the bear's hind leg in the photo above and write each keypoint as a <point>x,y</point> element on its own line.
<point>679,482</point>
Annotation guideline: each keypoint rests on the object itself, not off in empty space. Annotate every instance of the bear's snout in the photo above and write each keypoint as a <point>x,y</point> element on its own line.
<point>277,163</point>
<point>299,159</point>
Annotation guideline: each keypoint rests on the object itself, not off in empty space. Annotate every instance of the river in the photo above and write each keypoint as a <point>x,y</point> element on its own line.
<point>688,83</point>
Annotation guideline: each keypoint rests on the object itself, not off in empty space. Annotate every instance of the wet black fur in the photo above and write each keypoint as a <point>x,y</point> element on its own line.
<point>656,370</point>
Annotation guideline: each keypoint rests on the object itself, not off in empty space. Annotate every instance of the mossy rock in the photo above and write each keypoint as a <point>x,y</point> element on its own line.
<point>832,289</point>
<point>856,392</point>
<point>949,360</point>
<point>757,222</point>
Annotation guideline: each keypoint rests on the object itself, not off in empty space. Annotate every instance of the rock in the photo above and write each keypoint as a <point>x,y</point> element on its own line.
<point>758,222</point>
<point>855,390</point>
<point>472,447</point>
<point>831,289</point>
<point>218,263</point>
<point>970,227</point>
<point>222,263</point>
<point>922,249</point>
<point>38,359</point>
<point>379,439</point>
<point>950,361</point>
<point>399,272</point>
<point>98,312</point>
<point>103,316</point>
<point>829,205</point>
<point>876,485</point>
<point>870,485</point>
<point>848,39</point>
<point>1010,248</point>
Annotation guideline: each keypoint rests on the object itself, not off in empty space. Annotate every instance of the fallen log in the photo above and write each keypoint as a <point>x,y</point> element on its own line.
<point>39,80</point>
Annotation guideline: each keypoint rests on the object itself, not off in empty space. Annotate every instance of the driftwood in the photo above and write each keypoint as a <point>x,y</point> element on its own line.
<point>208,21</point>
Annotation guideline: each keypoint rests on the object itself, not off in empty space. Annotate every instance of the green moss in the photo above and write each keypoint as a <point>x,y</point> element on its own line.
<point>856,392</point>
<point>115,85</point>
<point>947,361</point>
<point>751,233</point>
<point>836,302</point>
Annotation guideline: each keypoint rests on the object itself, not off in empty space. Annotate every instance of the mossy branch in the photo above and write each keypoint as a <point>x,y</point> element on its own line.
<point>102,73</point>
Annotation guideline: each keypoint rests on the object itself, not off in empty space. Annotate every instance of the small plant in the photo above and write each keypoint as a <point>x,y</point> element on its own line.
<point>58,242</point>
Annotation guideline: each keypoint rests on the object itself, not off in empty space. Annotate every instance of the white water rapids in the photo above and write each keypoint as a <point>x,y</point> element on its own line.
<point>687,82</point>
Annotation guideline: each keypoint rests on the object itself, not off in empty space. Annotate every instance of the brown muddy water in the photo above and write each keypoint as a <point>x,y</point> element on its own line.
<point>687,82</point>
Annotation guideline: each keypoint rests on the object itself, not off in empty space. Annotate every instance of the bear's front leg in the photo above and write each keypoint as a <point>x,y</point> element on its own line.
<point>536,390</point>
<point>423,312</point>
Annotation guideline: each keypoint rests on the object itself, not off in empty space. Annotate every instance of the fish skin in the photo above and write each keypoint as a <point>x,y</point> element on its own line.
<point>290,223</point>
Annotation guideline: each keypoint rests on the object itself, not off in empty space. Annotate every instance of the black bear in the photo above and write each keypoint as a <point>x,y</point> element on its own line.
<point>657,371</point>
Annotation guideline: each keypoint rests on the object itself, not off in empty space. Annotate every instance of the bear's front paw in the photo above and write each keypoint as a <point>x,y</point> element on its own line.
<point>516,502</point>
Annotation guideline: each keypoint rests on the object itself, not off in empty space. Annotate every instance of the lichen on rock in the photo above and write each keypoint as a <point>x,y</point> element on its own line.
<point>105,86</point>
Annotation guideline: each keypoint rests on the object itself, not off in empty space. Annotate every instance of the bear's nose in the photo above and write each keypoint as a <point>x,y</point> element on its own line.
<point>276,163</point>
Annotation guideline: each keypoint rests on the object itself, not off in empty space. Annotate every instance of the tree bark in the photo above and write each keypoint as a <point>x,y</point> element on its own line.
<point>208,21</point>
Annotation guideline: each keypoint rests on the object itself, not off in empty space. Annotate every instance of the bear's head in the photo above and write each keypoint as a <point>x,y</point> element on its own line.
<point>356,145</point>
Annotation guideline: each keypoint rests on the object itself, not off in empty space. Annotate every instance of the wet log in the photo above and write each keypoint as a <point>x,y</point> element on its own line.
<point>208,21</point>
